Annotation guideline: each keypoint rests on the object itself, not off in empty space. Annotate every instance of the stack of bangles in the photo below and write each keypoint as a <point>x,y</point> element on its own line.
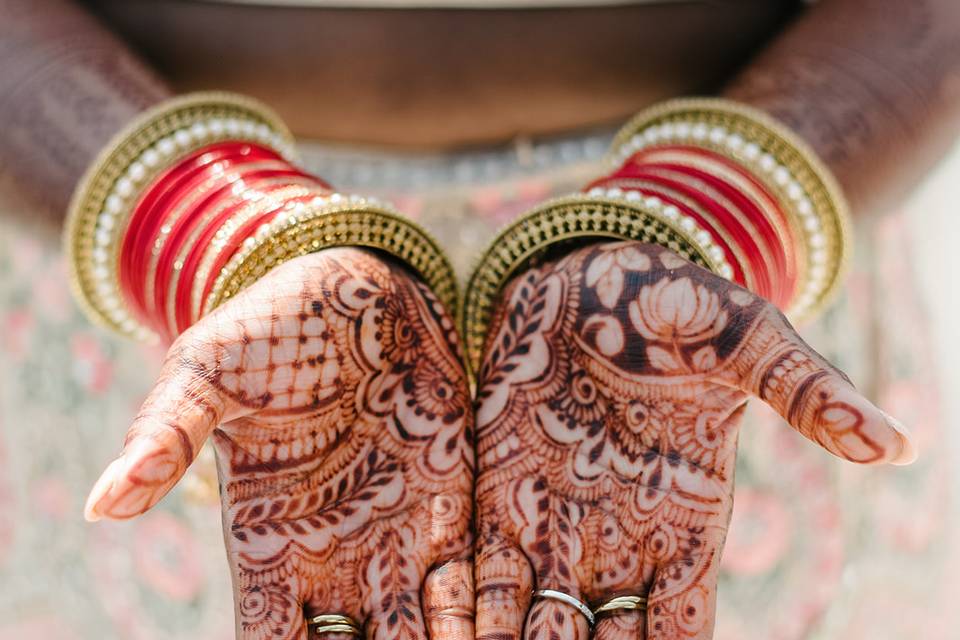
<point>716,182</point>
<point>200,197</point>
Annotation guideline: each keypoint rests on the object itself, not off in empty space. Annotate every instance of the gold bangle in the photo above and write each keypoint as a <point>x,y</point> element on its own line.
<point>223,235</point>
<point>104,198</point>
<point>525,241</point>
<point>787,166</point>
<point>340,221</point>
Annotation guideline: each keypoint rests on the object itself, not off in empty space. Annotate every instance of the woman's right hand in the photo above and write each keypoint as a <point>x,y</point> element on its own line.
<point>342,424</point>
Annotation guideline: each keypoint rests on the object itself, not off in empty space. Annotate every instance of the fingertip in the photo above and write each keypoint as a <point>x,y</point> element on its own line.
<point>101,488</point>
<point>908,448</point>
<point>135,482</point>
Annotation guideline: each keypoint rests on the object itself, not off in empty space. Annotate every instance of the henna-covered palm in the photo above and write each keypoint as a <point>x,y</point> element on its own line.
<point>342,425</point>
<point>610,397</point>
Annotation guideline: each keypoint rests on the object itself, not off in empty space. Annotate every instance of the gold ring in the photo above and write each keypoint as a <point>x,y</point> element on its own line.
<point>334,623</point>
<point>621,603</point>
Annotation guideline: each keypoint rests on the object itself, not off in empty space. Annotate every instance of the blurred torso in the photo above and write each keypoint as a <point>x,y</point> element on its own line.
<point>441,77</point>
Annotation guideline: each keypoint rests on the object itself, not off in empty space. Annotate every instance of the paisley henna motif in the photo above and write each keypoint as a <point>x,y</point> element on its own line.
<point>608,409</point>
<point>340,416</point>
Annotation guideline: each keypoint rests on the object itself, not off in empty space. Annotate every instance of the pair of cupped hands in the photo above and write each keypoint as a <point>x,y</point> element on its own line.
<point>359,477</point>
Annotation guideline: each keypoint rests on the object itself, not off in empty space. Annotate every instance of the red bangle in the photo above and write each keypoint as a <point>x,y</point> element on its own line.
<point>184,208</point>
<point>749,217</point>
<point>753,193</point>
<point>734,220</point>
<point>196,199</point>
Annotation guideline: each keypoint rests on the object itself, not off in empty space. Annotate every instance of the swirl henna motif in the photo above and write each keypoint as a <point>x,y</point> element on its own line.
<point>340,416</point>
<point>609,402</point>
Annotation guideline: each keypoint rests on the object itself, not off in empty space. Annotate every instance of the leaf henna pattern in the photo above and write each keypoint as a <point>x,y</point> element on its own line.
<point>341,420</point>
<point>609,402</point>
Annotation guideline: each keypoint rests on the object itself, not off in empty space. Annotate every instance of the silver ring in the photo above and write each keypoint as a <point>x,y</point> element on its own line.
<point>566,598</point>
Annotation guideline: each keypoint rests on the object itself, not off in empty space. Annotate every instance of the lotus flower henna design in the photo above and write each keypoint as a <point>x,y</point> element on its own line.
<point>609,404</point>
<point>606,271</point>
<point>341,419</point>
<point>677,310</point>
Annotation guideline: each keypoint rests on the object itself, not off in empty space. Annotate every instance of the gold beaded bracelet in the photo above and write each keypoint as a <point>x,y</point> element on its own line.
<point>787,167</point>
<point>340,221</point>
<point>104,198</point>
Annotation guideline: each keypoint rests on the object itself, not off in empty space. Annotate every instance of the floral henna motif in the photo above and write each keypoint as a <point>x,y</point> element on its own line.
<point>608,409</point>
<point>344,442</point>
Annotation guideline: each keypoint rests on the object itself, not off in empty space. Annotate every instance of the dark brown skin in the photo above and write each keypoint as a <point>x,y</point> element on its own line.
<point>66,86</point>
<point>872,85</point>
<point>436,78</point>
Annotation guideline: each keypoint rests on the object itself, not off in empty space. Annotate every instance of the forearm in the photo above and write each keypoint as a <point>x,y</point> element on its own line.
<point>872,85</point>
<point>66,86</point>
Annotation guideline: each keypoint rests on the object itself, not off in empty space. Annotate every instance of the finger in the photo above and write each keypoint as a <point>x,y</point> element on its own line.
<point>397,615</point>
<point>683,599</point>
<point>448,600</point>
<point>504,585</point>
<point>392,595</point>
<point>621,625</point>
<point>268,611</point>
<point>173,424</point>
<point>814,397</point>
<point>553,619</point>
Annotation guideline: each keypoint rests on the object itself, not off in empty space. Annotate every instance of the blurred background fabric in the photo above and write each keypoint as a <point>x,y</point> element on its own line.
<point>818,548</point>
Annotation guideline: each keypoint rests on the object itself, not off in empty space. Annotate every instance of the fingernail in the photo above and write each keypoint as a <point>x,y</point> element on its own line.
<point>908,450</point>
<point>100,490</point>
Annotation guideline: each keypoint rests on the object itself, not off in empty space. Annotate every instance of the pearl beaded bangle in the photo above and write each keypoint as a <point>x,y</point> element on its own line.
<point>718,183</point>
<point>804,189</point>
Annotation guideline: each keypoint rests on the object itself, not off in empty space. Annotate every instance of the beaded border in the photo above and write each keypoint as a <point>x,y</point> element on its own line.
<point>340,221</point>
<point>700,238</point>
<point>526,239</point>
<point>254,207</point>
<point>777,156</point>
<point>104,198</point>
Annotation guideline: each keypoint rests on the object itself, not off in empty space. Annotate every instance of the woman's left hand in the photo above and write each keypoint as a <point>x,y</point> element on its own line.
<point>609,406</point>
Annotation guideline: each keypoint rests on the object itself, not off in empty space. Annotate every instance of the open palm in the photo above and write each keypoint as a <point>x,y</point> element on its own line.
<point>610,399</point>
<point>340,416</point>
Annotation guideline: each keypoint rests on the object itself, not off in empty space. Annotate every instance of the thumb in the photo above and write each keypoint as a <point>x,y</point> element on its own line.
<point>172,425</point>
<point>817,399</point>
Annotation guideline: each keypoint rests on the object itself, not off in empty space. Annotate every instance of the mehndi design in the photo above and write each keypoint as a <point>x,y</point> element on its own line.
<point>340,415</point>
<point>609,402</point>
